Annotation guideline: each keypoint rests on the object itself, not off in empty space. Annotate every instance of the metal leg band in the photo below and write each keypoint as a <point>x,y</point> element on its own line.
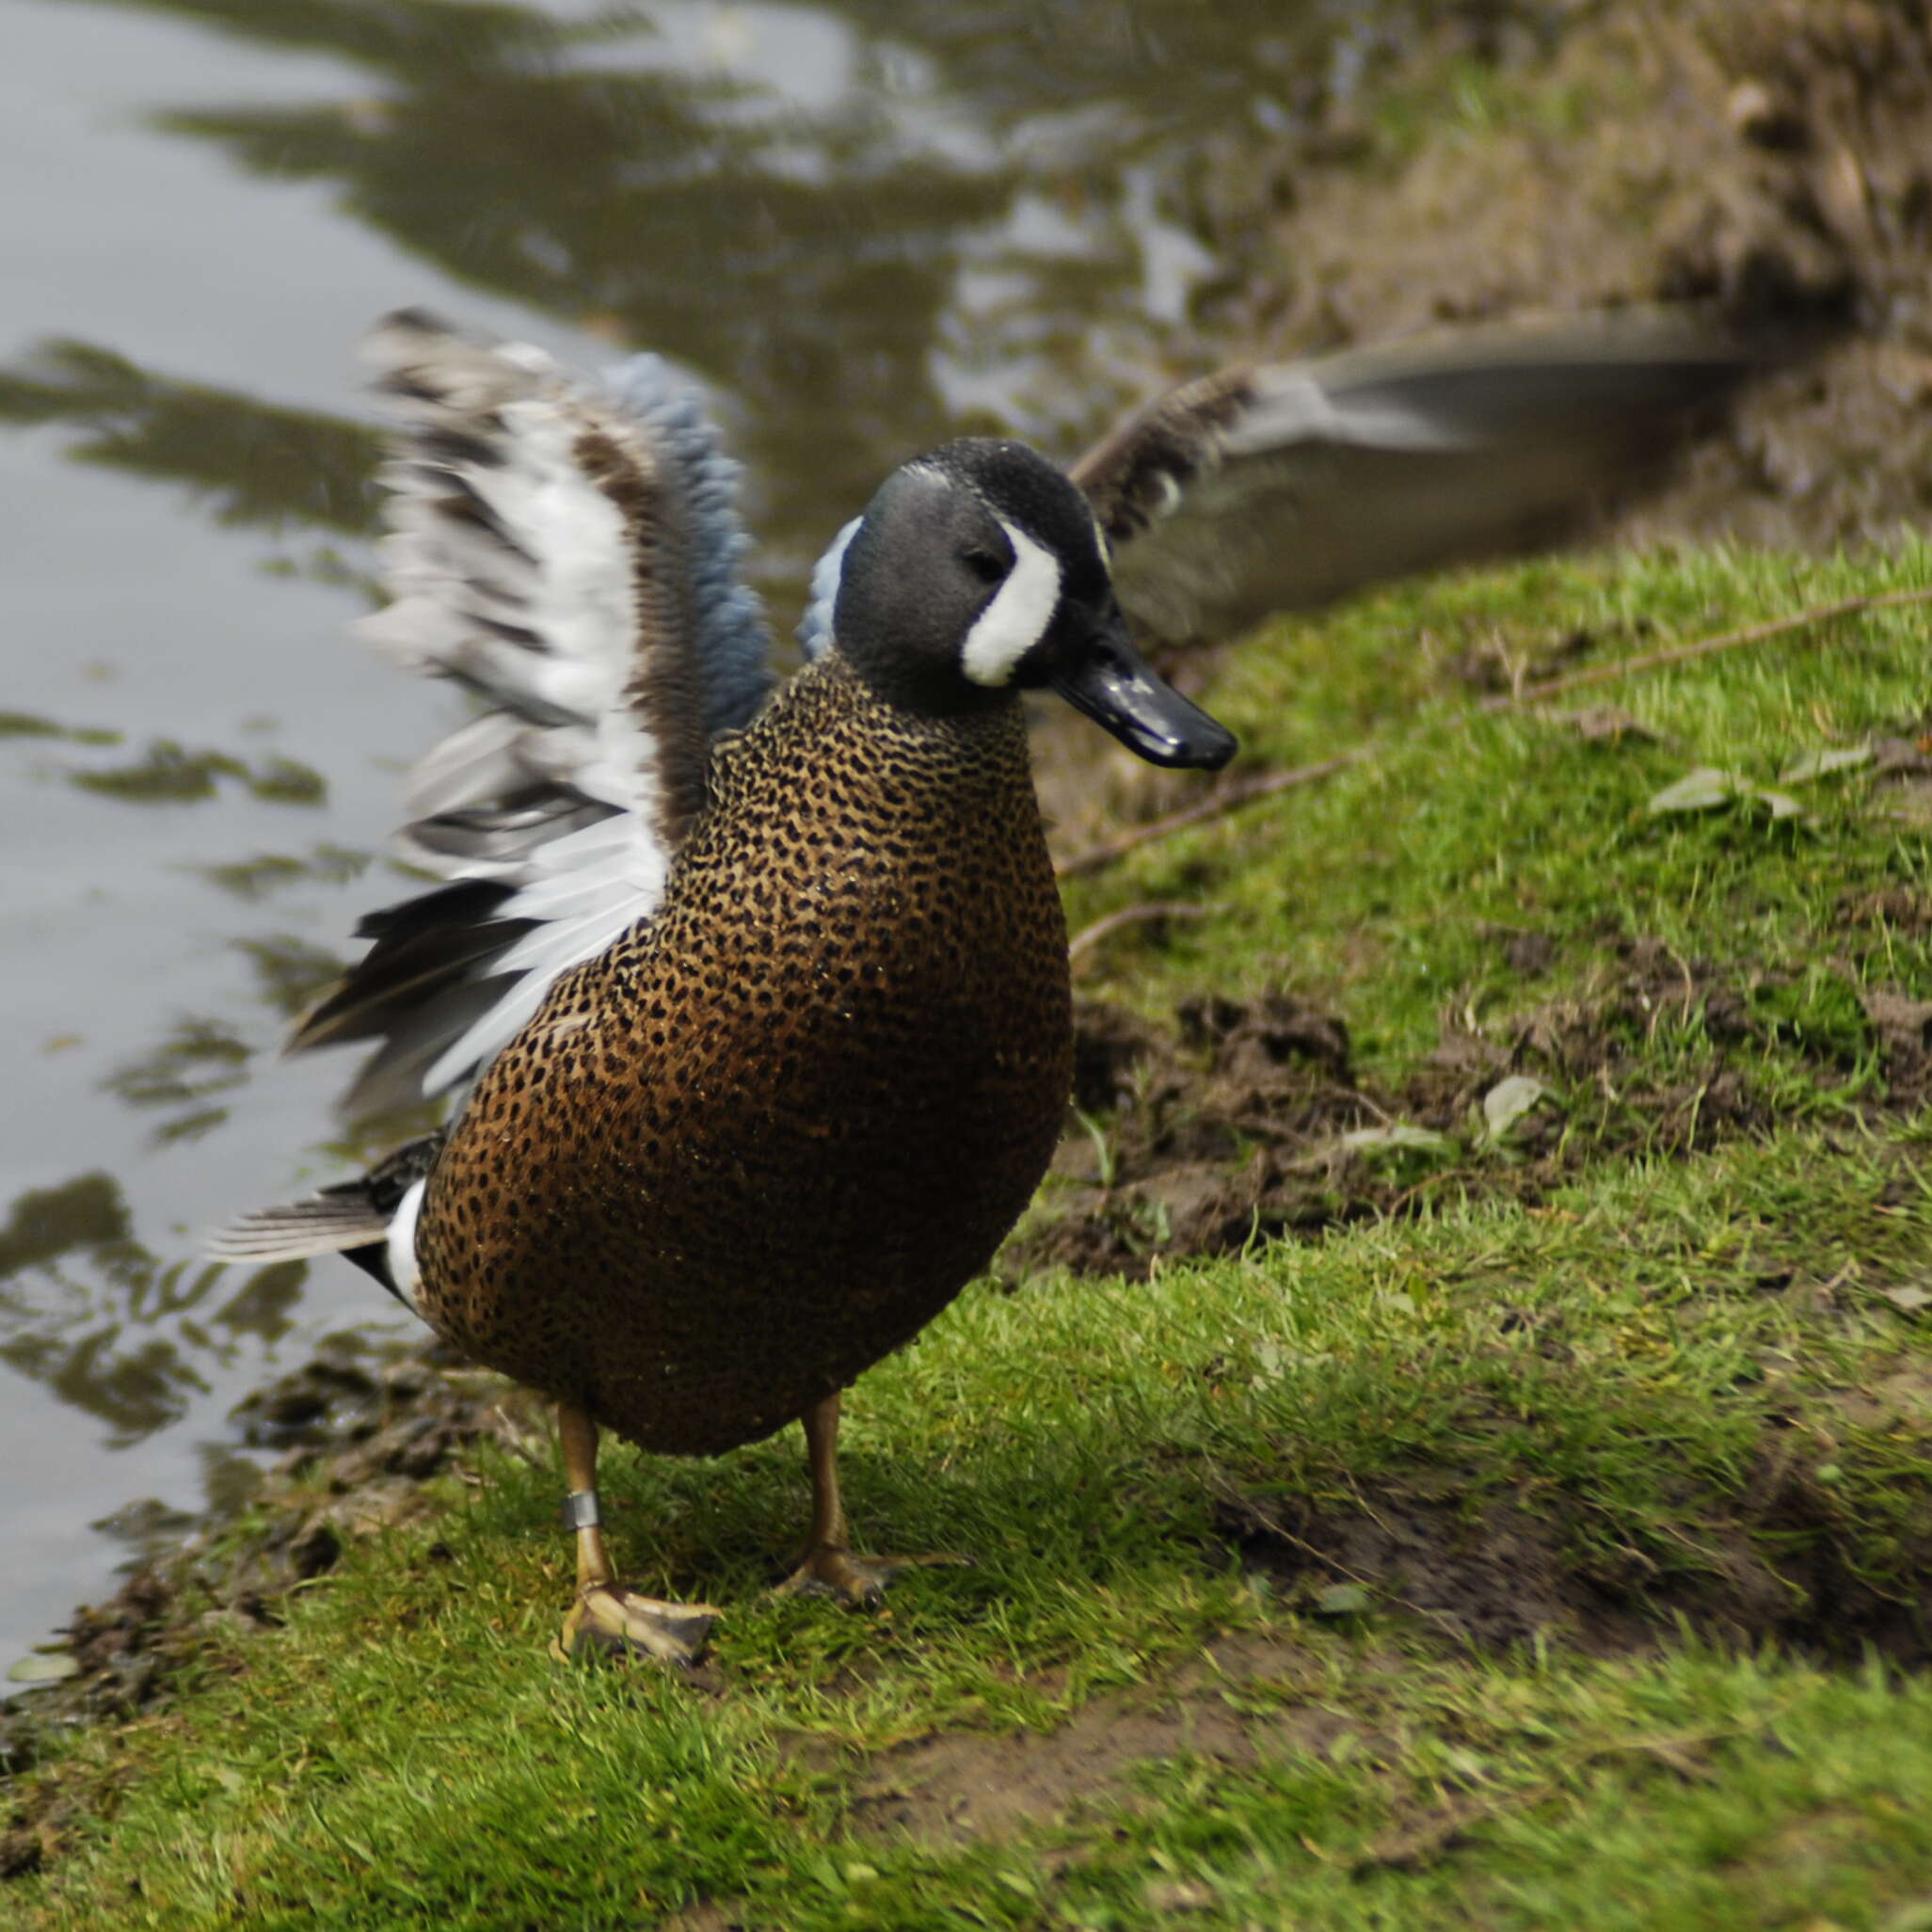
<point>581,1511</point>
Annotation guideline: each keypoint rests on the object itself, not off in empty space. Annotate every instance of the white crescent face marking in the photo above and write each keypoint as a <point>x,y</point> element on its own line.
<point>1018,617</point>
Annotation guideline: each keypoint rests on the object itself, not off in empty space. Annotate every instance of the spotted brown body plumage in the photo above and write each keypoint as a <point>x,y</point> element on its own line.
<point>772,1132</point>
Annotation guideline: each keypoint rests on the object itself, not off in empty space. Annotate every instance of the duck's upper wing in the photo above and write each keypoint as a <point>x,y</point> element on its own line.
<point>569,551</point>
<point>1283,486</point>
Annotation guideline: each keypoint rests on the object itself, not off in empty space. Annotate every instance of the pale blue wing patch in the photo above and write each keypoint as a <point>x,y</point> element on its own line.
<point>733,637</point>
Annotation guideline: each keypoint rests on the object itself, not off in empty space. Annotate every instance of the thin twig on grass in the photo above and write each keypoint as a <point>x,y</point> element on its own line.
<point>1227,799</point>
<point>1704,646</point>
<point>1245,791</point>
<point>1090,936</point>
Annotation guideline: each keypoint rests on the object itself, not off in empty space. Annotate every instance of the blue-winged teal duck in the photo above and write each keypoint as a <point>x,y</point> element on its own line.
<point>757,1003</point>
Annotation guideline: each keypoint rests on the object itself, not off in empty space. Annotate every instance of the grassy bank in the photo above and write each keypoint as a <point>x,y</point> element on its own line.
<point>1457,1504</point>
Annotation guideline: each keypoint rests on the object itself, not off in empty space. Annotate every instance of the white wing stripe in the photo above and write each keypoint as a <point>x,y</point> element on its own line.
<point>495,1030</point>
<point>592,888</point>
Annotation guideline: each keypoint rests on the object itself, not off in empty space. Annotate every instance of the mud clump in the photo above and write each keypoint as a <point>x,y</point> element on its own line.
<point>1530,954</point>
<point>1898,907</point>
<point>1489,1581</point>
<point>1249,1119</point>
<point>1773,1564</point>
<point>1904,1026</point>
<point>1208,1133</point>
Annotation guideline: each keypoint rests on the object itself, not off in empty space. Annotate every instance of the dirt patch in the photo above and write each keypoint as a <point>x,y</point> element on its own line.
<point>960,1787</point>
<point>1904,1026</point>
<point>1246,1120</point>
<point>1239,1708</point>
<point>1529,955</point>
<point>1898,907</point>
<point>1490,1582</point>
<point>1505,1570</point>
<point>360,1434</point>
<point>707,1917</point>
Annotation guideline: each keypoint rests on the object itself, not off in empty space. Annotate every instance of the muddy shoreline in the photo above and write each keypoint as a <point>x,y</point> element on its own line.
<point>1246,1120</point>
<point>360,1431</point>
<point>1769,159</point>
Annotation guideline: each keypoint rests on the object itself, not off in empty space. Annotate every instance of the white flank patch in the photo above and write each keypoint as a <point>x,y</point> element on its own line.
<point>403,1270</point>
<point>1018,617</point>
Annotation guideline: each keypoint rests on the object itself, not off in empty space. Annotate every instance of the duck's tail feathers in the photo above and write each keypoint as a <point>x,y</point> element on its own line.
<point>327,1224</point>
<point>370,1220</point>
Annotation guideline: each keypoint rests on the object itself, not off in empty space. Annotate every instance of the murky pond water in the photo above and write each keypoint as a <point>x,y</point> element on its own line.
<point>866,226</point>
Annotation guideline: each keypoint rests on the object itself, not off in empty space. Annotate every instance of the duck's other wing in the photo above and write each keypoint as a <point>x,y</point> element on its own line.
<point>1285,486</point>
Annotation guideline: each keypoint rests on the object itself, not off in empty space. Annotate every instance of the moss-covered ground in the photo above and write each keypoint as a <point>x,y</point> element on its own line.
<point>1541,1543</point>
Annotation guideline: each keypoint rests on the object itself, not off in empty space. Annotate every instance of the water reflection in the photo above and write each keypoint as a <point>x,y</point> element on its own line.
<point>849,217</point>
<point>200,1059</point>
<point>268,872</point>
<point>114,1332</point>
<point>864,223</point>
<point>30,725</point>
<point>799,258</point>
<point>166,774</point>
<point>87,1213</point>
<point>248,462</point>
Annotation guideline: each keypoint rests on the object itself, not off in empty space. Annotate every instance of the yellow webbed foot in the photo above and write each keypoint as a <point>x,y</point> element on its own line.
<point>609,1620</point>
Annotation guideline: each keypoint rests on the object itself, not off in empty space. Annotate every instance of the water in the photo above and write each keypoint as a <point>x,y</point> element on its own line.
<point>866,227</point>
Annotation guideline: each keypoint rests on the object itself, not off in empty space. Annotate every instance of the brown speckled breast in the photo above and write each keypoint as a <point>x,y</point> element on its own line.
<point>768,1135</point>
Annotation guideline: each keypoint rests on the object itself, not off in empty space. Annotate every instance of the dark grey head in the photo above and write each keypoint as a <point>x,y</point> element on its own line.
<point>978,571</point>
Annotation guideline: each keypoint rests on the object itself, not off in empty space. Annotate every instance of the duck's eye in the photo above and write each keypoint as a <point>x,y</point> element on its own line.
<point>984,566</point>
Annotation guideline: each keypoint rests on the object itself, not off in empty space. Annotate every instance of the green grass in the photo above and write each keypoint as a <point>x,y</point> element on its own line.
<point>1386,885</point>
<point>1459,102</point>
<point>1675,1396</point>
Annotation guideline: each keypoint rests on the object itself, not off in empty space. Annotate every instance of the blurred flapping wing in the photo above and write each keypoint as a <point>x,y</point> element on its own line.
<point>568,553</point>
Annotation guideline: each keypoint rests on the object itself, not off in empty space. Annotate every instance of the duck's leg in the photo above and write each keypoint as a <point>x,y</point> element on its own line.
<point>828,1567</point>
<point>606,1617</point>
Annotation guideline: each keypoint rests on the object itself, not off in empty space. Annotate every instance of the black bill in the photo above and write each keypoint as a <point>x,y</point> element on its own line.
<point>1109,681</point>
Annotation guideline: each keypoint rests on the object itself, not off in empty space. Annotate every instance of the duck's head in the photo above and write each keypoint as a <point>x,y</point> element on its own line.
<point>978,571</point>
